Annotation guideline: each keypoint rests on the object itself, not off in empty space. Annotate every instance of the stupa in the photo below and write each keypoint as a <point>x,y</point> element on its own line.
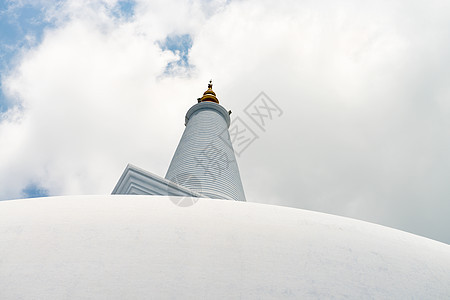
<point>139,245</point>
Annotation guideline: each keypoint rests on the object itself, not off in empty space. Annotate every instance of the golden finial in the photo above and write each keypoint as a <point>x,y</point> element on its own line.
<point>209,95</point>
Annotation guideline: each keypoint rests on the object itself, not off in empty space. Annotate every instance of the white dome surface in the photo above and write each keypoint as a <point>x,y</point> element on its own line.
<point>130,247</point>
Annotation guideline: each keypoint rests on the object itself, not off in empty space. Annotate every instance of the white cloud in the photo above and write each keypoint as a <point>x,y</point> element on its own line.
<point>363,86</point>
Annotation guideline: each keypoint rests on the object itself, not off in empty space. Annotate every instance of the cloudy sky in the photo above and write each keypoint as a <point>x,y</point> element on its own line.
<point>363,86</point>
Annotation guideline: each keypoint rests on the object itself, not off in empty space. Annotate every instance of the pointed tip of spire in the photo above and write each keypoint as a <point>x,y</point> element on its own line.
<point>209,95</point>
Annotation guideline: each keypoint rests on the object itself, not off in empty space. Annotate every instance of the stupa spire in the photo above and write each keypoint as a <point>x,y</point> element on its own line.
<point>209,94</point>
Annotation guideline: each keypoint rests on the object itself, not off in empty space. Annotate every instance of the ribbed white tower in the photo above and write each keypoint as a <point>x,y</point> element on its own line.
<point>204,160</point>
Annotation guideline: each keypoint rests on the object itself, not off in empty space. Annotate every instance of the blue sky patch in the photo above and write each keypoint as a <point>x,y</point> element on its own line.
<point>17,25</point>
<point>179,45</point>
<point>33,191</point>
<point>3,102</point>
<point>124,9</point>
<point>20,27</point>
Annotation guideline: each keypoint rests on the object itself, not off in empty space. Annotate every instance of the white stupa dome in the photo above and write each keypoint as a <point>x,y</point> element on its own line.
<point>143,247</point>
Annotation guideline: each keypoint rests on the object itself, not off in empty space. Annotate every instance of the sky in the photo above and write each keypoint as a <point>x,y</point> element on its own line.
<point>359,91</point>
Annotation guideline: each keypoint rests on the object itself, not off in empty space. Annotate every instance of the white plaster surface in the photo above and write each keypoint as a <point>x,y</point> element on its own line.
<point>145,247</point>
<point>205,155</point>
